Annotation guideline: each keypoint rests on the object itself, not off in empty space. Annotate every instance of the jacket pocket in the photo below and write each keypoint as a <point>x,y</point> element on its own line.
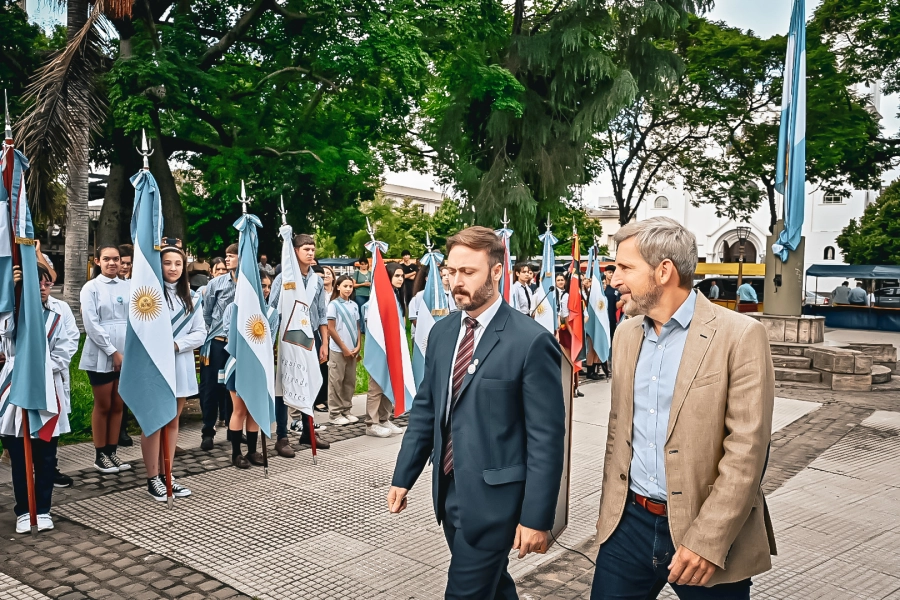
<point>496,384</point>
<point>504,475</point>
<point>706,380</point>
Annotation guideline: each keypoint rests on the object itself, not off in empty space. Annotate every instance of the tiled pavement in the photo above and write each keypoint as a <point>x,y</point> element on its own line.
<point>323,531</point>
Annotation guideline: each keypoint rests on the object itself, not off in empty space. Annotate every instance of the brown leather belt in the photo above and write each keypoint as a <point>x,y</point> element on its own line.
<point>652,506</point>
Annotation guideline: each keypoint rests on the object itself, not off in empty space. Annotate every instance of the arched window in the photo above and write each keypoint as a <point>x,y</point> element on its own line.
<point>661,202</point>
<point>829,253</point>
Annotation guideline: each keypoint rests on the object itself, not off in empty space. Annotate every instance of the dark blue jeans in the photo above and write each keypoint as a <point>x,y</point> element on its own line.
<point>43,456</point>
<point>633,563</point>
<point>214,395</point>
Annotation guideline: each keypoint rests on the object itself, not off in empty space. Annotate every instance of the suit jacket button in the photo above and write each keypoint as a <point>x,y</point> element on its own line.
<point>623,477</point>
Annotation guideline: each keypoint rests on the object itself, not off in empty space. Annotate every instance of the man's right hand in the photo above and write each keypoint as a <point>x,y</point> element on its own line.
<point>396,499</point>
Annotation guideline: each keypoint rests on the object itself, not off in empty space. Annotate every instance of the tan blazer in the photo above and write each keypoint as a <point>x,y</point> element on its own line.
<point>719,428</point>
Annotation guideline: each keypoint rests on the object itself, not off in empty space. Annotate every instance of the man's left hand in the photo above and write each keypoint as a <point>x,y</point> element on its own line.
<point>531,540</point>
<point>689,568</point>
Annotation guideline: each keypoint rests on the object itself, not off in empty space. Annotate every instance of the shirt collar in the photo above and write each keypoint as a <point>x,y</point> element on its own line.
<point>682,316</point>
<point>104,279</point>
<point>484,319</point>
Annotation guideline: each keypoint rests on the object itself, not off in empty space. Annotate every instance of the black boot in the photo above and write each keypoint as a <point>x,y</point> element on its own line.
<point>125,439</point>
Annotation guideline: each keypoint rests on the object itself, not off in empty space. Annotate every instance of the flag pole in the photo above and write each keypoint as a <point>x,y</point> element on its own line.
<point>312,437</point>
<point>145,153</point>
<point>17,262</point>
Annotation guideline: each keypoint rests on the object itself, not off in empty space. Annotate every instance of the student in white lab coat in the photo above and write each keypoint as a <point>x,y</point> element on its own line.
<point>189,332</point>
<point>104,312</point>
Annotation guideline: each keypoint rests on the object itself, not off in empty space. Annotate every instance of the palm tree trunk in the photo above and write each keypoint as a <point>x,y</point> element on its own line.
<point>77,219</point>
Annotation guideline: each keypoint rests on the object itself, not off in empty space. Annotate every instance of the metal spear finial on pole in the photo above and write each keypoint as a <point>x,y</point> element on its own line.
<point>505,221</point>
<point>428,245</point>
<point>6,117</point>
<point>283,212</point>
<point>369,229</point>
<point>145,150</point>
<point>548,222</point>
<point>243,199</point>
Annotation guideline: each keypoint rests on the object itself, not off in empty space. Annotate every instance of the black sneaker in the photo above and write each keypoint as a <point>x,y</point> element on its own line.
<point>105,465</point>
<point>122,466</point>
<point>156,488</point>
<point>179,491</point>
<point>206,443</point>
<point>62,481</point>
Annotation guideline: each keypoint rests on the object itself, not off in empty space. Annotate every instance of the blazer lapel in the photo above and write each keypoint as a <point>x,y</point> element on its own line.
<point>487,342</point>
<point>446,364</point>
<point>700,335</point>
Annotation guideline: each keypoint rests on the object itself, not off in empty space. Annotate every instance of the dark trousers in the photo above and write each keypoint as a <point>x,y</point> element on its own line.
<point>43,454</point>
<point>212,393</point>
<point>322,398</point>
<point>473,573</point>
<point>633,563</point>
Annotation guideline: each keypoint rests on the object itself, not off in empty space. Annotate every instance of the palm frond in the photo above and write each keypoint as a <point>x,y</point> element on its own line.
<point>65,106</point>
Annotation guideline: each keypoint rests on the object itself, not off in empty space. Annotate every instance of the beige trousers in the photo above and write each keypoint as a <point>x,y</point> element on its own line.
<point>341,383</point>
<point>378,407</point>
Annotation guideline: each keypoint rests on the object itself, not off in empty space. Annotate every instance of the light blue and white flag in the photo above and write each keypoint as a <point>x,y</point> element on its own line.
<point>545,313</point>
<point>148,361</point>
<point>432,308</point>
<point>597,325</point>
<point>297,376</point>
<point>790,177</point>
<point>30,376</point>
<point>250,332</point>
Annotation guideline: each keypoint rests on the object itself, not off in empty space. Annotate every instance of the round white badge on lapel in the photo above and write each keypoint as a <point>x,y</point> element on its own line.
<point>471,370</point>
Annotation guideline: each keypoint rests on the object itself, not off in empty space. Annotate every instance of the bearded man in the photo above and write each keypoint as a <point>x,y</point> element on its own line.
<point>689,427</point>
<point>490,415</point>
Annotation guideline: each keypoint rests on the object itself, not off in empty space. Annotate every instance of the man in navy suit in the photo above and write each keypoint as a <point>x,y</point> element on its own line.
<point>490,415</point>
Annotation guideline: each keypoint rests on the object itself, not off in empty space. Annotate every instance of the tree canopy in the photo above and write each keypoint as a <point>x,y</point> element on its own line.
<point>874,238</point>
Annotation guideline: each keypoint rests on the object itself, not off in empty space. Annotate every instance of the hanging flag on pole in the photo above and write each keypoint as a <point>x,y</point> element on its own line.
<point>148,364</point>
<point>545,311</point>
<point>29,385</point>
<point>297,376</point>
<point>790,176</point>
<point>597,325</point>
<point>249,346</point>
<point>433,308</point>
<point>506,279</point>
<point>575,320</point>
<point>386,349</point>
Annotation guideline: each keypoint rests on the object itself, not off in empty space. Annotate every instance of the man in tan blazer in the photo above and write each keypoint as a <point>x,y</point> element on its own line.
<point>689,429</point>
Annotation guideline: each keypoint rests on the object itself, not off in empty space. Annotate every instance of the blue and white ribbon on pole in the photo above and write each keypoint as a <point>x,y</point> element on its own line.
<point>597,325</point>
<point>148,363</point>
<point>790,178</point>
<point>545,312</point>
<point>433,308</point>
<point>250,332</point>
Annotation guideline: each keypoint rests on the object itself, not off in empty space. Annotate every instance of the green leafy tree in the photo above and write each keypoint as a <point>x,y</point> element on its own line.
<point>874,238</point>
<point>514,105</point>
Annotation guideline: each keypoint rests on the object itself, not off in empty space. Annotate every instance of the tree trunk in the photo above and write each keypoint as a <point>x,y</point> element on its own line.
<point>115,216</point>
<point>173,213</point>
<point>77,218</point>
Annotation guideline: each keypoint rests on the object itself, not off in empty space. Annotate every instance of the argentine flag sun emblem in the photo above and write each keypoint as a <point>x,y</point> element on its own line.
<point>256,329</point>
<point>146,303</point>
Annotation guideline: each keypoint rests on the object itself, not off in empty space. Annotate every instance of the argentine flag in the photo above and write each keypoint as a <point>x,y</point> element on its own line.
<point>297,378</point>
<point>790,176</point>
<point>27,376</point>
<point>387,351</point>
<point>148,360</point>
<point>250,334</point>
<point>433,308</point>
<point>545,313</point>
<point>597,325</point>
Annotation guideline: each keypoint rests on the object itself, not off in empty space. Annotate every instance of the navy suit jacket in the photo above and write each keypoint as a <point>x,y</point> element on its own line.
<point>508,428</point>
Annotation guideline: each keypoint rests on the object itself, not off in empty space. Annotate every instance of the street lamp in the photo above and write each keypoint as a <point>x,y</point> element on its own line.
<point>743,233</point>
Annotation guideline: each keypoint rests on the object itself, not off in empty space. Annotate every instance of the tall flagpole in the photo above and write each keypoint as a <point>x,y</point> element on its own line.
<point>9,152</point>
<point>145,153</point>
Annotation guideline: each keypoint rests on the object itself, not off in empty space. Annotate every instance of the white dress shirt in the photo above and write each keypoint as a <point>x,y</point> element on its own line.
<point>484,319</point>
<point>104,312</point>
<point>521,298</point>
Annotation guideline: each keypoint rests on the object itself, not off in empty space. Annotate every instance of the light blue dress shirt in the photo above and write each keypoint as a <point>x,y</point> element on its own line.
<point>654,386</point>
<point>746,293</point>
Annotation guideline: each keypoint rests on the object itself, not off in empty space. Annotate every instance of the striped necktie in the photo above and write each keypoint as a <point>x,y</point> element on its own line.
<point>460,367</point>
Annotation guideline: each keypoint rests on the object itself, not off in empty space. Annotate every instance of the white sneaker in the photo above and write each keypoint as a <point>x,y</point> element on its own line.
<point>44,522</point>
<point>378,431</point>
<point>341,420</point>
<point>389,425</point>
<point>352,419</point>
<point>23,523</point>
